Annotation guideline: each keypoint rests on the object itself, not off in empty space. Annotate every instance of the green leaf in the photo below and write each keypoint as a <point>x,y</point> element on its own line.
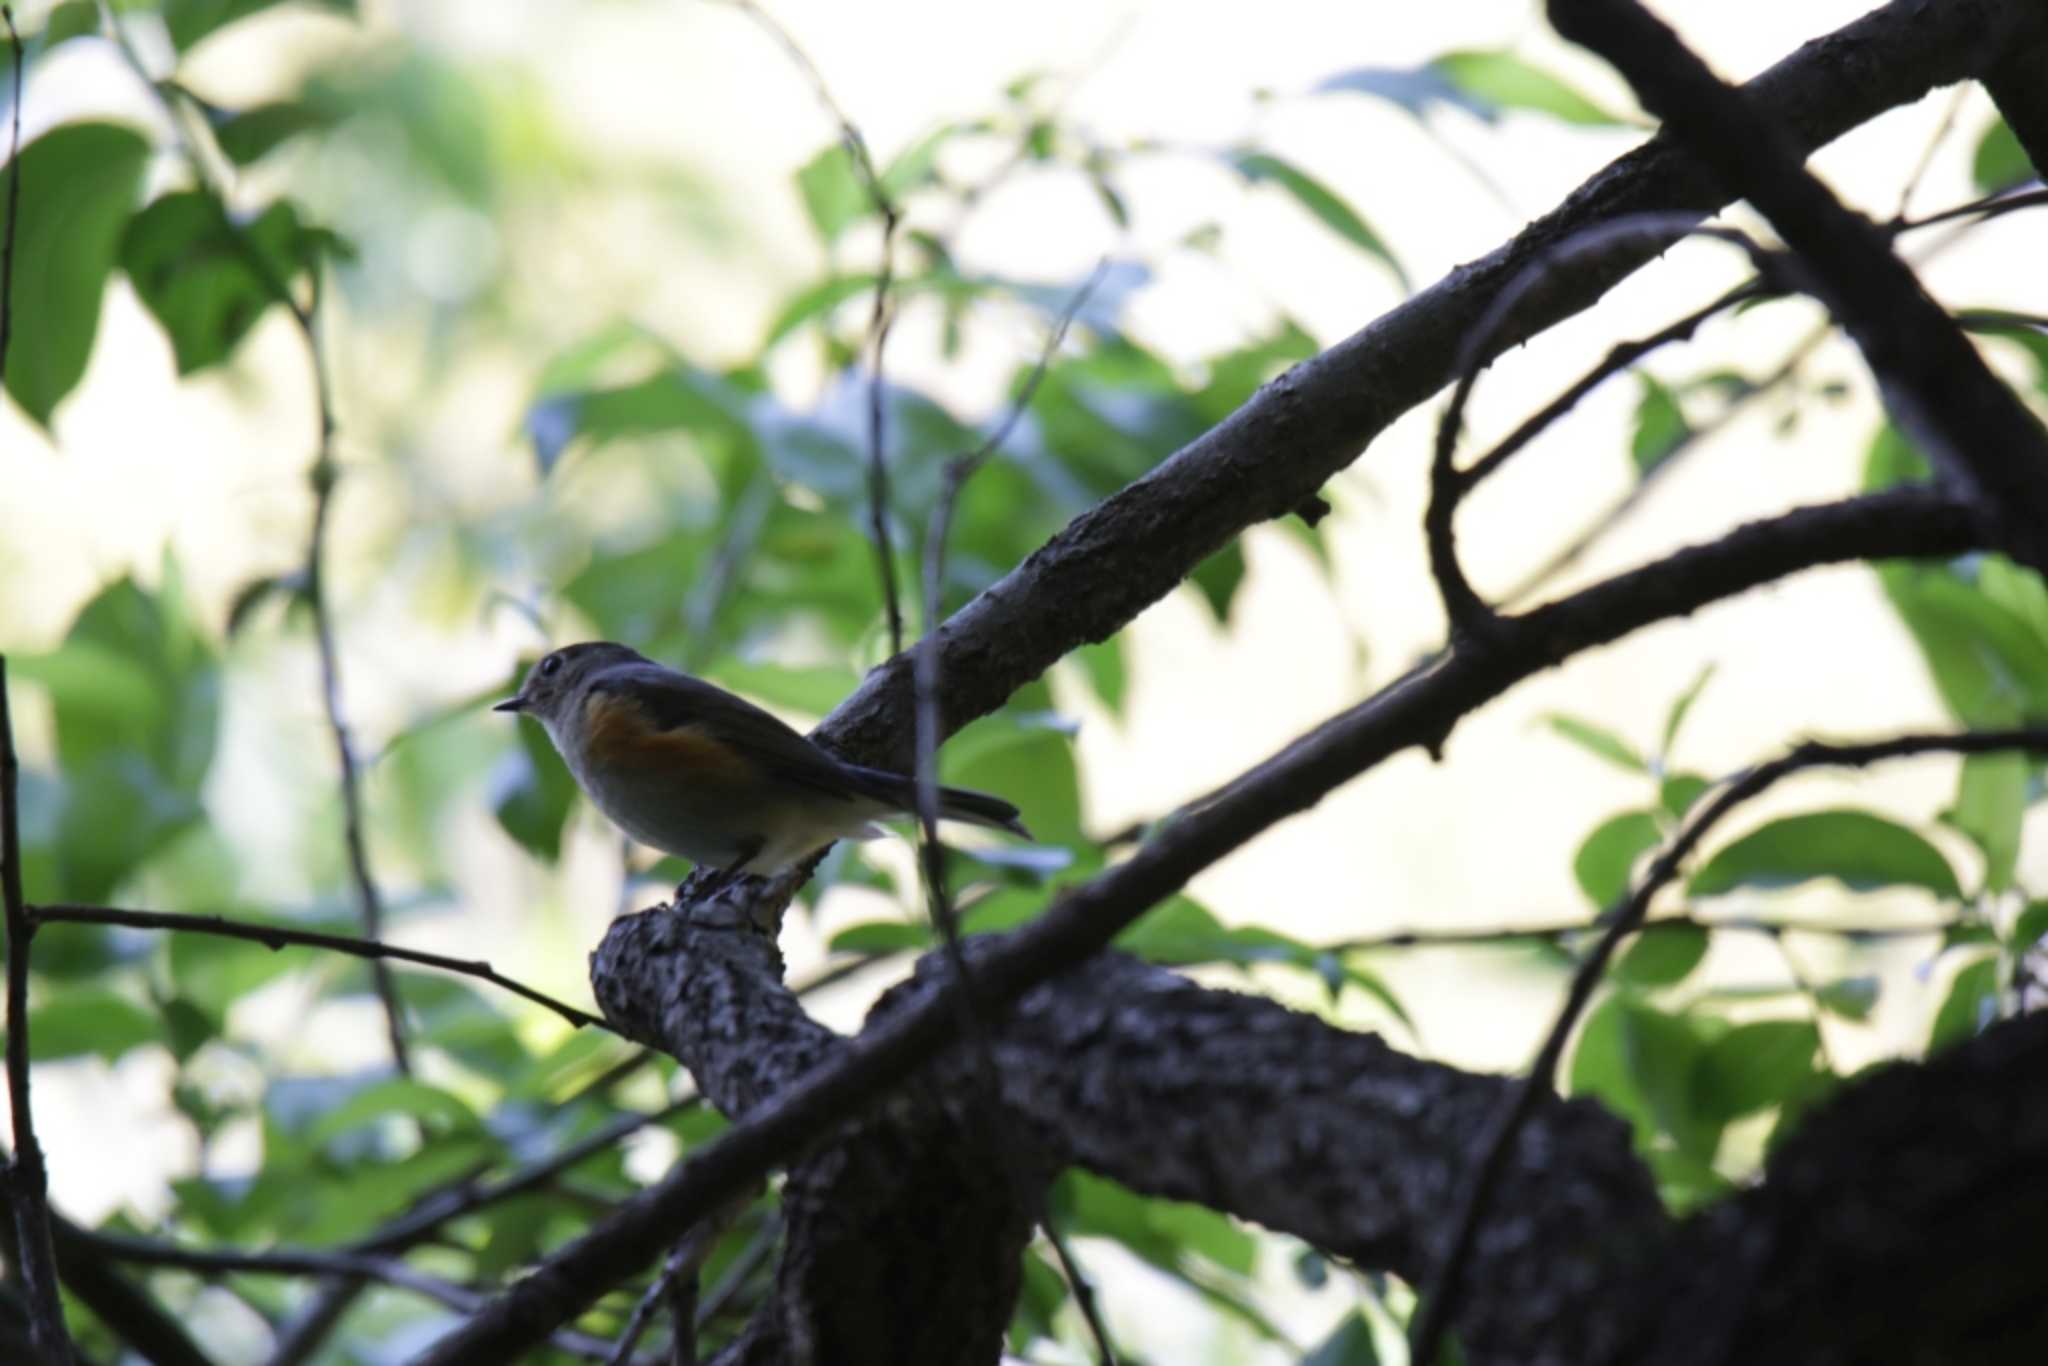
<point>1041,1294</point>
<point>816,301</point>
<point>191,20</point>
<point>1661,429</point>
<point>1852,998</point>
<point>72,19</point>
<point>1754,1067</point>
<point>531,794</point>
<point>1661,955</point>
<point>78,183</point>
<point>1598,740</point>
<point>1608,856</point>
<point>1991,800</point>
<point>832,191</point>
<point>438,1112</point>
<point>1320,201</point>
<point>1682,705</point>
<point>2000,161</point>
<point>1677,793</point>
<point>1971,1003</point>
<point>1640,1061</point>
<point>813,691</point>
<point>882,936</point>
<point>1163,1232</point>
<point>1350,1343</point>
<point>136,694</point>
<point>208,279</point>
<point>1102,664</point>
<point>1501,80</point>
<point>1861,850</point>
<point>1218,579</point>
<point>82,1019</point>
<point>2028,928</point>
<point>249,135</point>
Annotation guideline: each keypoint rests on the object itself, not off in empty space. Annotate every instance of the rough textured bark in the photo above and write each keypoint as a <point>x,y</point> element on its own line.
<point>1912,1191</point>
<point>1133,1072</point>
<point>2019,86</point>
<point>1900,1225</point>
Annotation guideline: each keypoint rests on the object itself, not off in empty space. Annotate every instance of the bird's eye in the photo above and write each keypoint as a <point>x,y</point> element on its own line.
<point>550,666</point>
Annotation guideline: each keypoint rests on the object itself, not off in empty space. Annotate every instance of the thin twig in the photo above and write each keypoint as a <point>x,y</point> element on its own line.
<point>391,1271</point>
<point>1575,549</point>
<point>1082,1288</point>
<point>1941,132</point>
<point>880,318</point>
<point>1441,1299</point>
<point>679,1271</point>
<point>27,1182</point>
<point>1990,206</point>
<point>1469,616</point>
<point>1504,936</point>
<point>1621,357</point>
<point>739,1271</point>
<point>323,476</point>
<point>931,849</point>
<point>280,936</point>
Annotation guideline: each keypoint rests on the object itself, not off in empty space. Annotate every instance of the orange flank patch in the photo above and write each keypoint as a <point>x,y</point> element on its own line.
<point>618,733</point>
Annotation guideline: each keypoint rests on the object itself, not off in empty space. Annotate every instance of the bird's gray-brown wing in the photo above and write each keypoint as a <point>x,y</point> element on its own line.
<point>700,725</point>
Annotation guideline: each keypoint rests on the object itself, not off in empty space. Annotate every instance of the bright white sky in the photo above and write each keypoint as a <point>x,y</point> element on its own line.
<point>144,463</point>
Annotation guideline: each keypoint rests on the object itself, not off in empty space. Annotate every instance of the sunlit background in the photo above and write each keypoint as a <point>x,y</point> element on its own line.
<point>547,197</point>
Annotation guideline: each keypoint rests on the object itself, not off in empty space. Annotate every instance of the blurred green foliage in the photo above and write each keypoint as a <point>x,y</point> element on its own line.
<point>758,572</point>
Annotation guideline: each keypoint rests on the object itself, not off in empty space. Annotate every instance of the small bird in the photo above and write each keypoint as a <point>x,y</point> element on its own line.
<point>687,768</point>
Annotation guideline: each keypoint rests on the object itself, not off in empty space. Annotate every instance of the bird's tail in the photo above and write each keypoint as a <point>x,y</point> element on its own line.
<point>955,803</point>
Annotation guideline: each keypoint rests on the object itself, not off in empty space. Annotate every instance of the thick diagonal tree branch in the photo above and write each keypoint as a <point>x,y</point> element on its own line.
<point>734,1039</point>
<point>1281,446</point>
<point>1937,387</point>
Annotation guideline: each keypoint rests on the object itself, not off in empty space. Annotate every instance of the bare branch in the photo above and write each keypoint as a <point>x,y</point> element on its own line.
<point>1471,620</point>
<point>389,1271</point>
<point>880,317</point>
<point>1280,447</point>
<point>279,936</point>
<point>1441,1300</point>
<point>27,1181</point>
<point>1936,385</point>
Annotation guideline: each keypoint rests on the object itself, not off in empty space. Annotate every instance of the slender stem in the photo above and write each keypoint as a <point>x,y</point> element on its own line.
<point>931,849</point>
<point>279,936</point>
<point>1442,1298</point>
<point>1469,616</point>
<point>881,316</point>
<point>1084,1291</point>
<point>390,1271</point>
<point>1499,935</point>
<point>27,1181</point>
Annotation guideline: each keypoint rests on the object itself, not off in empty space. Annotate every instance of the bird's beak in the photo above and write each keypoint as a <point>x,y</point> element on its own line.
<point>511,704</point>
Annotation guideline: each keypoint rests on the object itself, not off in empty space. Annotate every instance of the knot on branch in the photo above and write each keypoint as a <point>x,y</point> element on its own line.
<point>694,983</point>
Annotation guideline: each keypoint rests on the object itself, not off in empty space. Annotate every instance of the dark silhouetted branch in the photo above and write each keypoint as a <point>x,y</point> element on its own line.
<point>26,1180</point>
<point>281,936</point>
<point>1442,1291</point>
<point>1936,385</point>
